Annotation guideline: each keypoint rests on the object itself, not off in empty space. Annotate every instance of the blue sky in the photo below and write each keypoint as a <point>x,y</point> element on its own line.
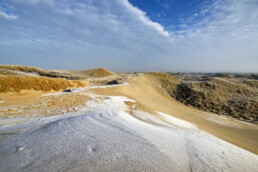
<point>169,13</point>
<point>129,36</point>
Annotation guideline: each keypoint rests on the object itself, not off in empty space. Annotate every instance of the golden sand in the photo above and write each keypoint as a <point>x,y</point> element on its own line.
<point>151,99</point>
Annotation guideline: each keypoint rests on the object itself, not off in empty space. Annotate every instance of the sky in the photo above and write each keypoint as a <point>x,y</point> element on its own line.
<point>131,36</point>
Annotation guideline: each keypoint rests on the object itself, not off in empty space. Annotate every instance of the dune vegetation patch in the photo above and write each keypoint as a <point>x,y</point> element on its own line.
<point>18,83</point>
<point>21,68</point>
<point>98,72</point>
<point>28,70</point>
<point>222,97</point>
<point>164,81</point>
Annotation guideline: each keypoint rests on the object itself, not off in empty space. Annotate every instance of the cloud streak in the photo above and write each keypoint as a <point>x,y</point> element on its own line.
<point>140,15</point>
<point>7,16</point>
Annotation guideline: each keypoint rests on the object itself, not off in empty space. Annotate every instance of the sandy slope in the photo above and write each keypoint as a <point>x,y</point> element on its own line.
<point>110,132</point>
<point>104,137</point>
<point>151,99</point>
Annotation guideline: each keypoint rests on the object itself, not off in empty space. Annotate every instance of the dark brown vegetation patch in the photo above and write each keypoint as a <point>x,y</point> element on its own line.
<point>232,96</point>
<point>222,97</point>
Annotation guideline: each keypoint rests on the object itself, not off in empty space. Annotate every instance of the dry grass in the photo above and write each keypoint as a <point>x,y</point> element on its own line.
<point>165,82</point>
<point>98,72</point>
<point>27,70</point>
<point>18,83</point>
<point>20,68</point>
<point>227,96</point>
<point>221,96</point>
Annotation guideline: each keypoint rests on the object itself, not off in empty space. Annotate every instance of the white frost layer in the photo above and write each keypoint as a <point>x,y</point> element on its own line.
<point>145,116</point>
<point>163,120</point>
<point>177,122</point>
<point>103,137</point>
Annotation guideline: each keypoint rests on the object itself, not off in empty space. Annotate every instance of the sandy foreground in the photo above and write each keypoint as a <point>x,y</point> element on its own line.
<point>120,128</point>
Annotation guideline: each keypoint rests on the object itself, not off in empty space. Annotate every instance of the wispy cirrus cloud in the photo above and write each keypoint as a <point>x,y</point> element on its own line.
<point>221,36</point>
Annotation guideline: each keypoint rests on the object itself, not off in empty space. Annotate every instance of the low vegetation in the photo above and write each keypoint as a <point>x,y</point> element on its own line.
<point>98,72</point>
<point>165,82</point>
<point>27,70</point>
<point>221,96</point>
<point>229,95</point>
<point>18,83</point>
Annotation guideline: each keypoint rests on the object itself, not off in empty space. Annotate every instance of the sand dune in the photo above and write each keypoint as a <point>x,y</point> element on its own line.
<point>98,72</point>
<point>122,122</point>
<point>149,98</point>
<point>103,137</point>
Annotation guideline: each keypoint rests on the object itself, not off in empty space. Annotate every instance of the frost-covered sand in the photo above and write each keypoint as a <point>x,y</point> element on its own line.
<point>105,137</point>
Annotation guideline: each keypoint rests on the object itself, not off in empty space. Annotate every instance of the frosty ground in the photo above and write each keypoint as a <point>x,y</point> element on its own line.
<point>109,135</point>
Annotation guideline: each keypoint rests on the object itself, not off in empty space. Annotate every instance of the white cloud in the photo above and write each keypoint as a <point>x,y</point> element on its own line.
<point>7,16</point>
<point>141,15</point>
